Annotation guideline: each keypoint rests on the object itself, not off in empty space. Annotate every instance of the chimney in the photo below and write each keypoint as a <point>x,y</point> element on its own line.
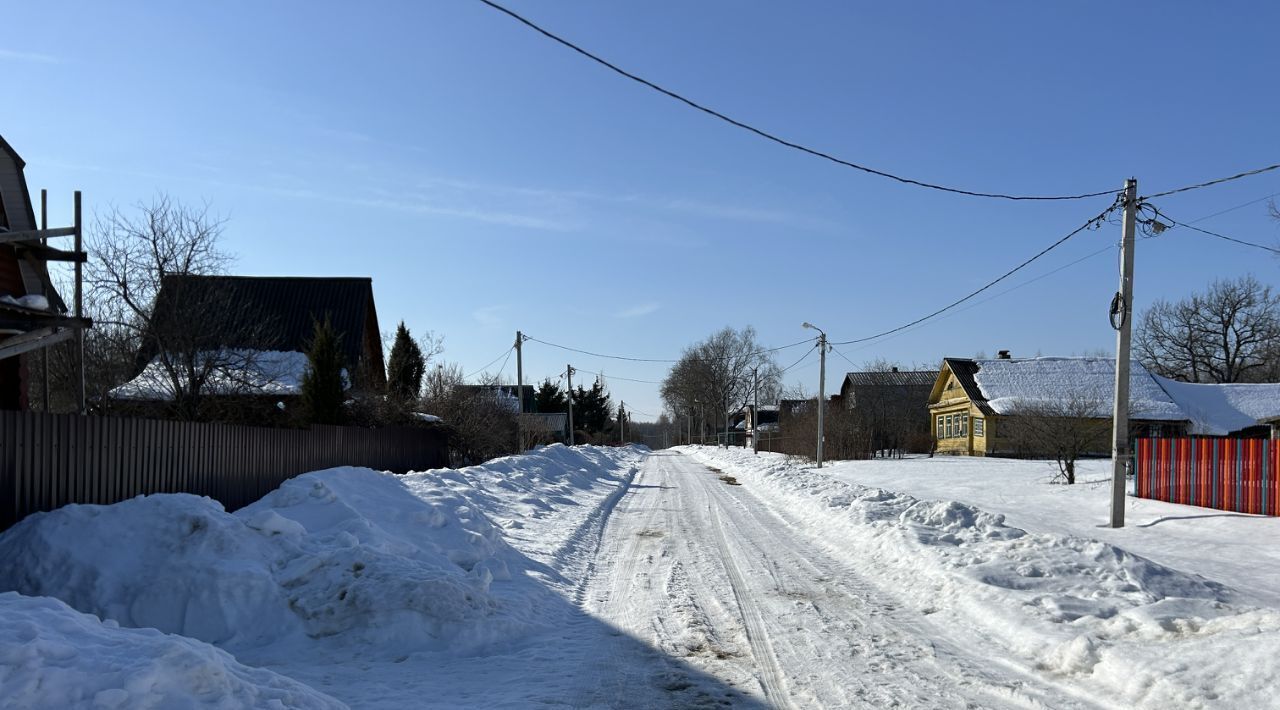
<point>895,369</point>
<point>1003,355</point>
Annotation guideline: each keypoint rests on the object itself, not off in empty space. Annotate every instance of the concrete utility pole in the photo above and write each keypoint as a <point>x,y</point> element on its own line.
<point>520,391</point>
<point>755,411</point>
<point>622,422</point>
<point>569,376</point>
<point>1122,307</point>
<point>822,385</point>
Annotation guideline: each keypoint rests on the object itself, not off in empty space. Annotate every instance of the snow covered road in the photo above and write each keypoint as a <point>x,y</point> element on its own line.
<point>711,573</point>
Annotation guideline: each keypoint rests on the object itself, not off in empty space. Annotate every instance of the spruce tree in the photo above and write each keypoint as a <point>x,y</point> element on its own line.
<point>322,388</point>
<point>405,367</point>
<point>549,398</point>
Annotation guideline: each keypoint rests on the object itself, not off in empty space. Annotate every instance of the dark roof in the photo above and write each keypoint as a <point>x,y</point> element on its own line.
<point>965,371</point>
<point>892,378</point>
<point>26,193</point>
<point>270,312</point>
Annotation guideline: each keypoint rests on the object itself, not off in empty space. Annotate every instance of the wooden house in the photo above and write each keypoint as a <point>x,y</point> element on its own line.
<point>973,401</point>
<point>890,406</point>
<point>259,328</point>
<point>32,314</point>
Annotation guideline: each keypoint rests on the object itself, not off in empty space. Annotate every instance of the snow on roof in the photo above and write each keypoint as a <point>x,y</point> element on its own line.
<point>1008,384</point>
<point>270,372</point>
<point>1219,409</point>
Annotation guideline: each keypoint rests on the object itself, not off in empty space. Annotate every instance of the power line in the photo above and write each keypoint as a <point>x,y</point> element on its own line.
<point>1237,207</point>
<point>506,352</point>
<point>1192,227</point>
<point>770,136</point>
<point>1198,186</point>
<point>615,377</point>
<point>1092,223</point>
<point>807,353</point>
<point>661,360</point>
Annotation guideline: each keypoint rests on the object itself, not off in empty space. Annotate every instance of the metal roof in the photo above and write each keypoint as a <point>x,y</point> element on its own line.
<point>276,312</point>
<point>911,378</point>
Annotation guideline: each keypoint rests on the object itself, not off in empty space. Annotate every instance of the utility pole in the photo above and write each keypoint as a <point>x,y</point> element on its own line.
<point>569,375</point>
<point>520,391</point>
<point>44,353</point>
<point>79,277</point>
<point>1122,307</point>
<point>622,413</point>
<point>755,410</point>
<point>822,384</point>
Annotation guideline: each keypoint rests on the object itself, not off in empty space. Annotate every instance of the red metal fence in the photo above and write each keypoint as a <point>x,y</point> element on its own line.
<point>1227,474</point>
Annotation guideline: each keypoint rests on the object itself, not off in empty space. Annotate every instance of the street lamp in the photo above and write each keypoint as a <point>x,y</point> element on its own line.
<point>822,383</point>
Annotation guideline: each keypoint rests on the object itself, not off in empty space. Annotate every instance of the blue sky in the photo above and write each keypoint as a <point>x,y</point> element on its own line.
<point>490,180</point>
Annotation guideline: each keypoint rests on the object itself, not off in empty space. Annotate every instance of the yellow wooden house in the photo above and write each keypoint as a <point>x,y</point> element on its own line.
<point>972,400</point>
<point>962,421</point>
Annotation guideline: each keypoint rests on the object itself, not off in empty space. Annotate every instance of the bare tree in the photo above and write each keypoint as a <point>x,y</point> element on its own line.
<point>480,421</point>
<point>1231,333</point>
<point>182,339</point>
<point>1065,430</point>
<point>717,375</point>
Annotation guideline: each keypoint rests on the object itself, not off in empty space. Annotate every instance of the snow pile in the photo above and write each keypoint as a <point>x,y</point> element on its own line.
<point>1068,605</point>
<point>1218,409</point>
<point>333,565</point>
<point>54,656</point>
<point>342,550</point>
<point>1010,384</point>
<point>231,371</point>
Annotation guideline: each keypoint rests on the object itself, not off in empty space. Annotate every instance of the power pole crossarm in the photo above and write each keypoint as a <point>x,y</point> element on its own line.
<point>1124,330</point>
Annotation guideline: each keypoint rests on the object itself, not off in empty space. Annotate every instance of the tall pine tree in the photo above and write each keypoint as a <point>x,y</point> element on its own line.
<point>322,388</point>
<point>549,398</point>
<point>405,367</point>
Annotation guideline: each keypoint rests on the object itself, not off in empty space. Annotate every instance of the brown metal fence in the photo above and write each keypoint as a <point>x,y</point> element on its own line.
<point>50,460</point>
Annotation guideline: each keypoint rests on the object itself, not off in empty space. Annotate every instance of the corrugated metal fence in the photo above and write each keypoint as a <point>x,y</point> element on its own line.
<point>1228,474</point>
<point>49,460</point>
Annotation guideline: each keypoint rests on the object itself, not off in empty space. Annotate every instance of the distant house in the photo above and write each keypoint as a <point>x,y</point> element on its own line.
<point>32,314</point>
<point>972,400</point>
<point>255,330</point>
<point>505,395</point>
<point>891,406</point>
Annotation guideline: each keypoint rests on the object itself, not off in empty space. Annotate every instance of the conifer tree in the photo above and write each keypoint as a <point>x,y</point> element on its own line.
<point>322,387</point>
<point>549,398</point>
<point>405,368</point>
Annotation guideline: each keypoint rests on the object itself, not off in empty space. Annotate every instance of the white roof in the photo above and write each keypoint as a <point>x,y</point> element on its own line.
<point>1216,410</point>
<point>1008,384</point>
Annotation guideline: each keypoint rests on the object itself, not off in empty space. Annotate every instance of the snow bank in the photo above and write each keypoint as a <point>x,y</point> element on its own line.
<point>1067,605</point>
<point>53,656</point>
<point>386,561</point>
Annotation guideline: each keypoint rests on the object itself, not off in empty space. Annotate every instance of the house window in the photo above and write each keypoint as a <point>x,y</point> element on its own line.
<point>962,426</point>
<point>950,426</point>
<point>979,426</point>
<point>941,431</point>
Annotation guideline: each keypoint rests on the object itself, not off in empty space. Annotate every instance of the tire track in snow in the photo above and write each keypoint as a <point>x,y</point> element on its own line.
<point>771,676</point>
